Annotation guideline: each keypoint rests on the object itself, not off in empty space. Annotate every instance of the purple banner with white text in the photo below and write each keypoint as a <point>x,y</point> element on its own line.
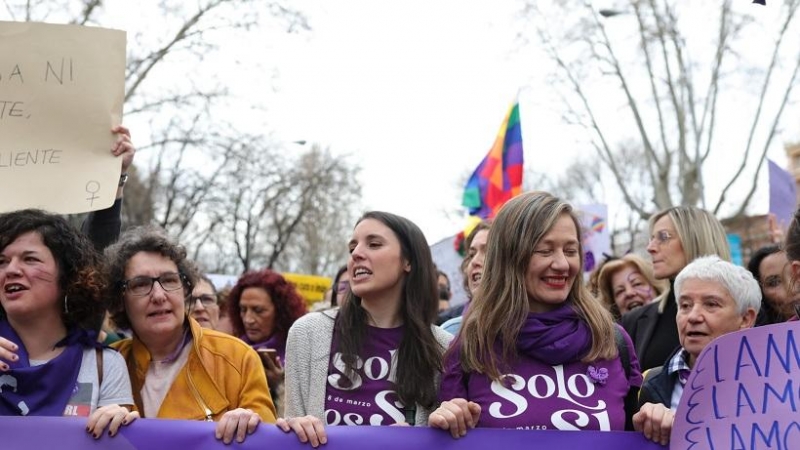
<point>25,433</point>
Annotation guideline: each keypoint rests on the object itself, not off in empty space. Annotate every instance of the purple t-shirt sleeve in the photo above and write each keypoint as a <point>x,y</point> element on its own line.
<point>454,380</point>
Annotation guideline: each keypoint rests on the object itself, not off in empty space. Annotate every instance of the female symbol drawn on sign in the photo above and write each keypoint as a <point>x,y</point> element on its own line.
<point>92,187</point>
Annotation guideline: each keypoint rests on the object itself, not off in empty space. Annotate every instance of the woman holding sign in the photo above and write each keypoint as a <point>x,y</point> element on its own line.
<point>536,351</point>
<point>377,360</point>
<point>714,297</point>
<point>51,291</point>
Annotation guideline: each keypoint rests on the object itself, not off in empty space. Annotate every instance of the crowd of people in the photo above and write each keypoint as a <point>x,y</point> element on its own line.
<point>387,349</point>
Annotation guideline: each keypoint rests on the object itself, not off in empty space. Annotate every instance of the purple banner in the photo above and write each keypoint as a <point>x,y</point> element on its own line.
<point>743,393</point>
<point>782,194</point>
<point>25,433</point>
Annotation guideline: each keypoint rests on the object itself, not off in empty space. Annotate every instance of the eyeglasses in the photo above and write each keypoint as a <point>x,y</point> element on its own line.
<point>662,237</point>
<point>141,286</point>
<point>343,286</point>
<point>207,300</point>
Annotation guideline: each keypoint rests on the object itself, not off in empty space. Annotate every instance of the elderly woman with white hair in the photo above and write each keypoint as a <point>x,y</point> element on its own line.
<point>714,298</point>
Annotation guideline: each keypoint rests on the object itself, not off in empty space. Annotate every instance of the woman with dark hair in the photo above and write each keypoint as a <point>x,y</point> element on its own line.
<point>262,306</point>
<point>377,359</point>
<point>536,350</point>
<point>792,247</point>
<point>51,307</point>
<point>178,369</point>
<point>769,266</point>
<point>341,285</point>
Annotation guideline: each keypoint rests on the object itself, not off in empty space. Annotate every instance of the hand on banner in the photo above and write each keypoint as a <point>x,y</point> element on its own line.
<point>7,353</point>
<point>308,429</point>
<point>239,422</point>
<point>457,415</point>
<point>111,416</point>
<point>654,420</point>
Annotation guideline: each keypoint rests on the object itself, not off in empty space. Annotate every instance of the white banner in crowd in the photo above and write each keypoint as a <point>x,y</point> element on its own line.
<point>61,92</point>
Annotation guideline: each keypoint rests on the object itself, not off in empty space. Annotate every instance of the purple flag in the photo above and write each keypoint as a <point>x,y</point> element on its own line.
<point>26,433</point>
<point>782,194</point>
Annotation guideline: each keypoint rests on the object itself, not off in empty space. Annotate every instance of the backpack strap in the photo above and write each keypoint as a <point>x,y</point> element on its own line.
<point>99,358</point>
<point>631,399</point>
<point>624,353</point>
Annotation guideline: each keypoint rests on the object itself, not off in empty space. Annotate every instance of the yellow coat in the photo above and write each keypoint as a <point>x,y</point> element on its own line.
<point>221,374</point>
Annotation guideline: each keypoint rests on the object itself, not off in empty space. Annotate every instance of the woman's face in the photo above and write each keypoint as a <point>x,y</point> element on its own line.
<point>342,287</point>
<point>477,254</point>
<point>258,314</point>
<point>553,267</point>
<point>772,277</point>
<point>376,266</point>
<point>29,279</point>
<point>666,250</point>
<point>203,305</point>
<point>159,313</point>
<point>630,289</point>
<point>706,311</point>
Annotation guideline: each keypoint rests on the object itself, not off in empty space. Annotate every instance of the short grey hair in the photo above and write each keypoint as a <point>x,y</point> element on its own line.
<point>738,281</point>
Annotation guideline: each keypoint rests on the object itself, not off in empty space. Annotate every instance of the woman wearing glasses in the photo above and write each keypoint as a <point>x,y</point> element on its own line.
<point>678,236</point>
<point>50,310</point>
<point>179,370</point>
<point>203,304</point>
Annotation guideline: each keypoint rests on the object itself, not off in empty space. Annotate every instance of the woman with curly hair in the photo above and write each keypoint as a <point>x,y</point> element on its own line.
<point>51,307</point>
<point>262,306</point>
<point>178,369</point>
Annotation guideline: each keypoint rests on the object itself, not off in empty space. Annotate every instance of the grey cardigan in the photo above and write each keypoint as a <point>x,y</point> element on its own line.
<point>308,354</point>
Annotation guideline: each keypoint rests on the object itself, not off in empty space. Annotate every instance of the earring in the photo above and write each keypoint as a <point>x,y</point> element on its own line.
<point>66,305</point>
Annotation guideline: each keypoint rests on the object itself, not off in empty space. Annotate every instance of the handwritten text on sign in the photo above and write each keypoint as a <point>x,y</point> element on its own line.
<point>61,92</point>
<point>744,393</point>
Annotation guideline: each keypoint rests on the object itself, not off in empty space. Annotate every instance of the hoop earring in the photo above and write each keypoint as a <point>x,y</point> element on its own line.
<point>66,305</point>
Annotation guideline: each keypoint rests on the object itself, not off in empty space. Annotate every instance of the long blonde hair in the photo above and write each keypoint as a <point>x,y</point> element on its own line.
<point>700,233</point>
<point>500,305</point>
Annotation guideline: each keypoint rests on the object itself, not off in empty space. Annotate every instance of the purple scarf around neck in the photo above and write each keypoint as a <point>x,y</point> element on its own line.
<point>42,390</point>
<point>555,337</point>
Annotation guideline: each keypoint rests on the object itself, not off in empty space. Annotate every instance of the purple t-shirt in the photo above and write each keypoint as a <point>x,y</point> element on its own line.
<point>539,396</point>
<point>370,397</point>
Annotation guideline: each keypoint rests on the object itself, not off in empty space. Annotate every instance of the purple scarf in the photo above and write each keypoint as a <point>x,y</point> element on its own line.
<point>555,337</point>
<point>43,390</point>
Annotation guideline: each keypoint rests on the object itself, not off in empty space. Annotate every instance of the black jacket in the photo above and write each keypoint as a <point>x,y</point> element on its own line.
<point>658,385</point>
<point>641,325</point>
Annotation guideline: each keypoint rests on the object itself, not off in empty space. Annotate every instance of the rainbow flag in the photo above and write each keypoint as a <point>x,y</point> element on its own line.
<point>499,176</point>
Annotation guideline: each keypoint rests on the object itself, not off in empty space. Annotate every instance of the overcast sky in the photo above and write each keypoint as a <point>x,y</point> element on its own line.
<point>416,91</point>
